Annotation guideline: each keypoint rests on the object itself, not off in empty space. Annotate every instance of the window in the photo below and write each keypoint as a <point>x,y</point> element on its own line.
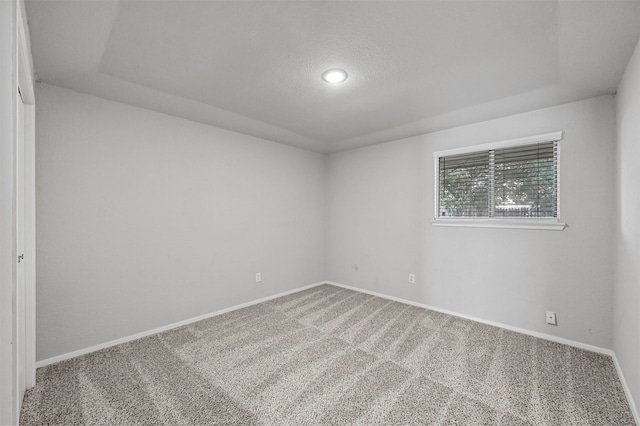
<point>512,184</point>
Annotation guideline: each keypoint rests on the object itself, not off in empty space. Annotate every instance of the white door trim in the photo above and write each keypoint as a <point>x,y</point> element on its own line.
<point>15,69</point>
<point>7,261</point>
<point>19,328</point>
<point>26,84</point>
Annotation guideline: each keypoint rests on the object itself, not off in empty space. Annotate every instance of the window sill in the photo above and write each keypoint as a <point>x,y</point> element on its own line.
<point>541,224</point>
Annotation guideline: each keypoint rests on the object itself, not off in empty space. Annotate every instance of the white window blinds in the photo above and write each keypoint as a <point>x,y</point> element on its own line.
<point>519,181</point>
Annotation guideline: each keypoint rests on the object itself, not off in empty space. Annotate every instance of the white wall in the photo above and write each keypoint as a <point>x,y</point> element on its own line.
<point>145,219</point>
<point>626,288</point>
<point>380,208</point>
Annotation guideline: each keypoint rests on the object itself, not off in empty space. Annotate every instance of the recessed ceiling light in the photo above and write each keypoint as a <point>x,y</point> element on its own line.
<point>334,76</point>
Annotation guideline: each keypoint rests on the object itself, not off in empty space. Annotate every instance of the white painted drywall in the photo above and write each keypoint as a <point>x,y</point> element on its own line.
<point>414,67</point>
<point>626,287</point>
<point>380,207</point>
<point>146,219</point>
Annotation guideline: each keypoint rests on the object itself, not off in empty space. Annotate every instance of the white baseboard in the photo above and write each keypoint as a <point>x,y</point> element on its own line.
<point>136,336</point>
<point>627,391</point>
<point>556,339</point>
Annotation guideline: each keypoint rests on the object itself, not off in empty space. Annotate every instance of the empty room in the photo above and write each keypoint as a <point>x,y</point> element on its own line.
<point>320,212</point>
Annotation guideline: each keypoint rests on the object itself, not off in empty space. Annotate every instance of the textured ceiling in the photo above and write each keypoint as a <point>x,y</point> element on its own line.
<point>414,67</point>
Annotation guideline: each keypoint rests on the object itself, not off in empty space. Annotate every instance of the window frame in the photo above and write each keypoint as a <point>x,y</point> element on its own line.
<point>548,223</point>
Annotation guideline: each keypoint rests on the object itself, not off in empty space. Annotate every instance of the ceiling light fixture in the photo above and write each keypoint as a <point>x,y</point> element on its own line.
<point>334,76</point>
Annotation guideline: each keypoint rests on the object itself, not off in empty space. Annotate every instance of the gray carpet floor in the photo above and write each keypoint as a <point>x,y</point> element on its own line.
<point>326,356</point>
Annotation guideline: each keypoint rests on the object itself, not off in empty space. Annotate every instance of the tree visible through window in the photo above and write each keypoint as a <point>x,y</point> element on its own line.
<point>520,181</point>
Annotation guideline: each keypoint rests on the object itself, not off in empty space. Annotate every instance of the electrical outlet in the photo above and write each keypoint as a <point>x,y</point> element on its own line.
<point>551,318</point>
<point>412,278</point>
<point>258,277</point>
